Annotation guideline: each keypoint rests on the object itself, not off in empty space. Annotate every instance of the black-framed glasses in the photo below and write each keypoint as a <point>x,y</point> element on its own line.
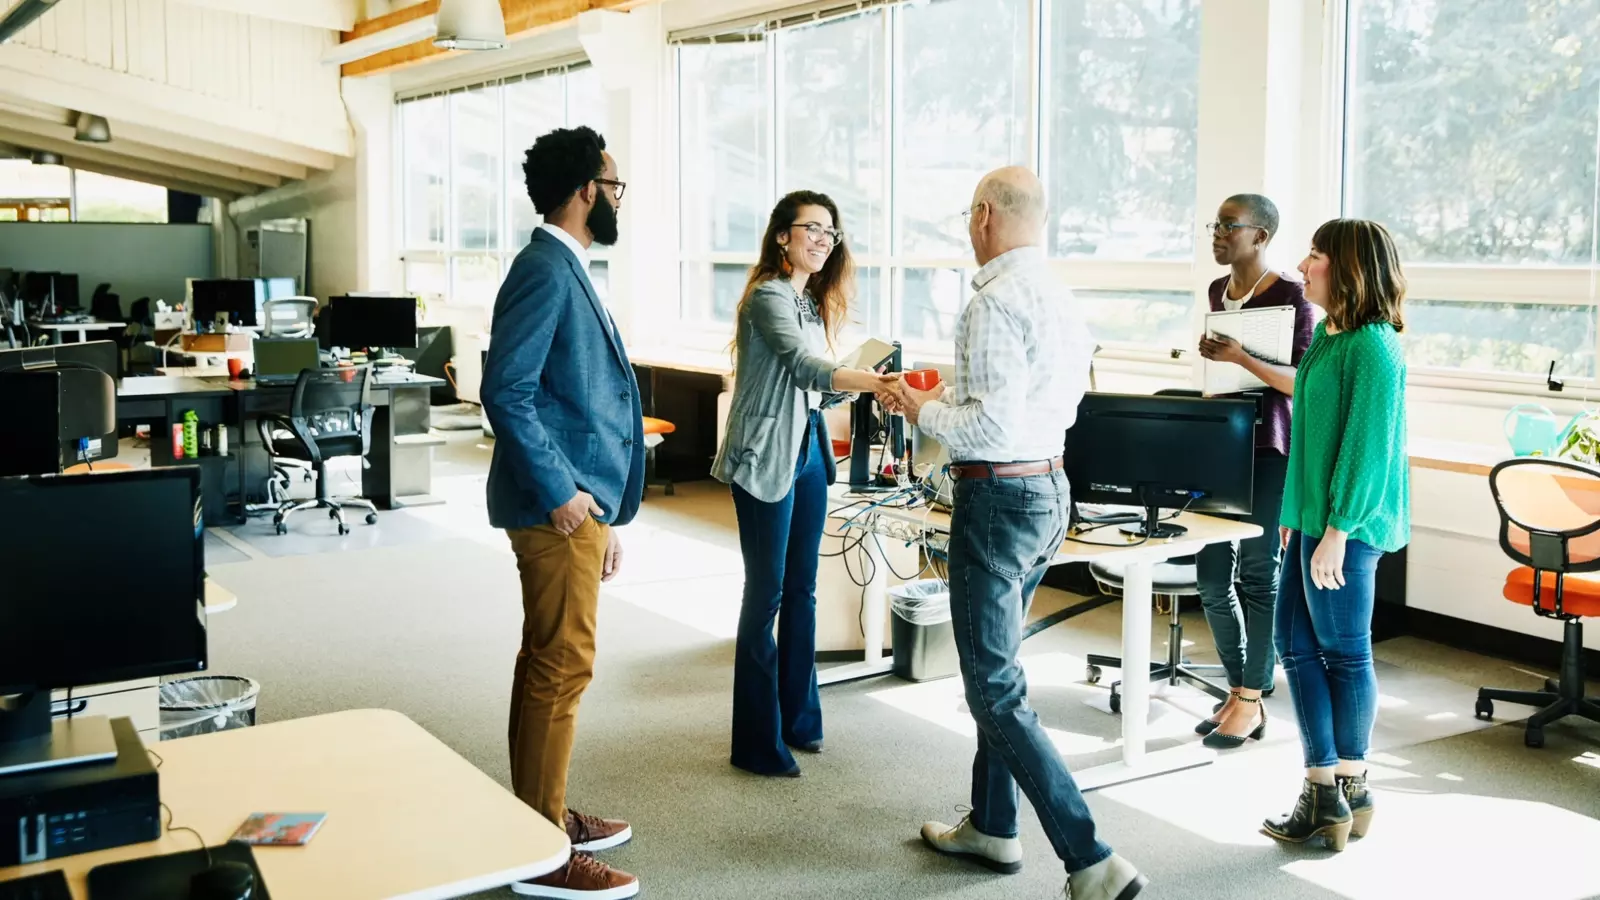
<point>620,186</point>
<point>1223,229</point>
<point>816,231</point>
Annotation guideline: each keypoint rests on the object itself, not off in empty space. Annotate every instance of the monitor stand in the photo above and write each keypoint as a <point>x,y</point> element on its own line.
<point>30,741</point>
<point>1153,527</point>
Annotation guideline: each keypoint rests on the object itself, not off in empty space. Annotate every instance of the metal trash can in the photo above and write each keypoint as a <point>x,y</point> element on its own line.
<point>924,641</point>
<point>207,703</point>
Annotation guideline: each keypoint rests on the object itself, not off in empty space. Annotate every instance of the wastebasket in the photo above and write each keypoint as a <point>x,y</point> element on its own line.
<point>207,703</point>
<point>924,641</point>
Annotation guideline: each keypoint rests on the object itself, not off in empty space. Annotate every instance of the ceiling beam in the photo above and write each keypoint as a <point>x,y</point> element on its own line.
<point>89,153</point>
<point>524,18</point>
<point>334,15</point>
<point>42,77</point>
<point>121,146</point>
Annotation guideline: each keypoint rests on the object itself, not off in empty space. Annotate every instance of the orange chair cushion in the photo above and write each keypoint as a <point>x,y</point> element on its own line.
<point>82,468</point>
<point>1579,596</point>
<point>658,426</point>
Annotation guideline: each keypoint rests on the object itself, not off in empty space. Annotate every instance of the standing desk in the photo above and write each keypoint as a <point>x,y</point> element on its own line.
<point>918,524</point>
<point>407,816</point>
<point>58,331</point>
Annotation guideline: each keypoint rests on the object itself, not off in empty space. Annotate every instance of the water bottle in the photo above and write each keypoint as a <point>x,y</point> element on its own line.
<point>191,434</point>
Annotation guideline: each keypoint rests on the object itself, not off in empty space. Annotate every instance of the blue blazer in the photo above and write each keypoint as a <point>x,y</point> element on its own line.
<point>560,394</point>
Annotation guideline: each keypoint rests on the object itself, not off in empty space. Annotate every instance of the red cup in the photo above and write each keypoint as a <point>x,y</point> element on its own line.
<point>235,366</point>
<point>923,379</point>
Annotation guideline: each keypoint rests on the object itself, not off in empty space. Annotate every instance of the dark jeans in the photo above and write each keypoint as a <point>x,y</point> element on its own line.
<point>1002,534</point>
<point>1241,618</point>
<point>775,699</point>
<point>1325,638</point>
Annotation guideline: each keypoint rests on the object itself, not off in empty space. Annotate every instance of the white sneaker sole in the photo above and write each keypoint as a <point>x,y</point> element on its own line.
<point>616,840</point>
<point>554,893</point>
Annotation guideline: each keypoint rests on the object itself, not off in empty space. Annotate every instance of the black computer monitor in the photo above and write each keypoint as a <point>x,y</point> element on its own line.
<point>136,611</point>
<point>1163,452</point>
<point>373,322</point>
<point>66,290</point>
<point>36,287</point>
<point>237,297</point>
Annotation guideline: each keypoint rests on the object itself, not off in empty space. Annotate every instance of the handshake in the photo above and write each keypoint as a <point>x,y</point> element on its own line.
<point>906,392</point>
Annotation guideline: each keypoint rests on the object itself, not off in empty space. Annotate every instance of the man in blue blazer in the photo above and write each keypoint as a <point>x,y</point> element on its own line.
<point>568,469</point>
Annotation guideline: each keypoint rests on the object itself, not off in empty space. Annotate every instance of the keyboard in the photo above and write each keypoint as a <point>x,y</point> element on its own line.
<point>49,886</point>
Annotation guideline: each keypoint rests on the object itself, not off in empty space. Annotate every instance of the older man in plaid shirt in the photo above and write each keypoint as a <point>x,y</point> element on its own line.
<point>1022,365</point>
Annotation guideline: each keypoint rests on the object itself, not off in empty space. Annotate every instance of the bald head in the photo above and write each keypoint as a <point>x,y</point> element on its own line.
<point>1008,212</point>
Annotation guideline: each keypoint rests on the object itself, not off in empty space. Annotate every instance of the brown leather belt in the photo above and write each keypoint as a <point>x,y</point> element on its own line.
<point>962,470</point>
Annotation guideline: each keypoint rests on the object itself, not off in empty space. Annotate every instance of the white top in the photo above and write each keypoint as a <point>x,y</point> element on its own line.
<point>577,249</point>
<point>1022,366</point>
<point>1232,305</point>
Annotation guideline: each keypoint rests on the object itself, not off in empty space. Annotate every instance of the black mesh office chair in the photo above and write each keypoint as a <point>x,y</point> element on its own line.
<point>329,417</point>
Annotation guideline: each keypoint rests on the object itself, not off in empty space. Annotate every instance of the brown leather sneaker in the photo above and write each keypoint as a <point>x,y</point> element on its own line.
<point>582,878</point>
<point>591,833</point>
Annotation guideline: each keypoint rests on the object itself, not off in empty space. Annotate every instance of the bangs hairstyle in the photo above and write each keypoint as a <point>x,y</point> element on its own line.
<point>1365,284</point>
<point>833,287</point>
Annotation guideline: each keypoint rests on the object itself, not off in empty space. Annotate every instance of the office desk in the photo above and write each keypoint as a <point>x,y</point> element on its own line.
<point>920,523</point>
<point>407,816</point>
<point>399,470</point>
<point>690,390</point>
<point>58,331</point>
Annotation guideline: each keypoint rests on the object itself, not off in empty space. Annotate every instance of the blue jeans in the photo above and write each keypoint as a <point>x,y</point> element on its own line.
<point>1325,639</point>
<point>775,698</point>
<point>1241,618</point>
<point>1002,534</point>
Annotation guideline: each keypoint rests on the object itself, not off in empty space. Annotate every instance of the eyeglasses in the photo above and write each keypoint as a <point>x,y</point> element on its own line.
<point>620,186</point>
<point>966,214</point>
<point>1223,229</point>
<point>817,232</point>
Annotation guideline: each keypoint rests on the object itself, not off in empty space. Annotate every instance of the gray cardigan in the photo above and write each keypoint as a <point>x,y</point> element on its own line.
<point>780,364</point>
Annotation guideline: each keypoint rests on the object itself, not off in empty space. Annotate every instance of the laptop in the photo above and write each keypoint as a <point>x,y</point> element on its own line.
<point>280,360</point>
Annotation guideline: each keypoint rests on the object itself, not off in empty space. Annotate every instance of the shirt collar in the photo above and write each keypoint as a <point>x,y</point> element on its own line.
<point>1009,261</point>
<point>571,243</point>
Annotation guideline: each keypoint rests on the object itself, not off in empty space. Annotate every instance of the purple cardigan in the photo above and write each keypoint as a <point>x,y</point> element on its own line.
<point>1272,434</point>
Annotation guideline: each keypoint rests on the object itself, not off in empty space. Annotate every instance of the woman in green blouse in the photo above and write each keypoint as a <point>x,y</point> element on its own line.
<point>1346,502</point>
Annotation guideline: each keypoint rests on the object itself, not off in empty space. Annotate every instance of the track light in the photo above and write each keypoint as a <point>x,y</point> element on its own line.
<point>46,158</point>
<point>93,129</point>
<point>470,25</point>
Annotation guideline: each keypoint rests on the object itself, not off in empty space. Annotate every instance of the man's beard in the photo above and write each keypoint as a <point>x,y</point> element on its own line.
<point>602,221</point>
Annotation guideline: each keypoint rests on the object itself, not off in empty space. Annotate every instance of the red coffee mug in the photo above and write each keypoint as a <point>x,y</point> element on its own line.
<point>235,366</point>
<point>923,379</point>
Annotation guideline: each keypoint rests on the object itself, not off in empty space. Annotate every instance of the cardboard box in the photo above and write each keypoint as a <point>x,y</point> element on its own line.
<point>215,343</point>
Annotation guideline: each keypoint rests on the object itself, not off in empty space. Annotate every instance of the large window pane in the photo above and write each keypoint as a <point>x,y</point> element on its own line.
<point>1500,337</point>
<point>711,292</point>
<point>1139,317</point>
<point>533,107</point>
<point>30,193</point>
<point>931,301</point>
<point>474,279</point>
<point>476,176</point>
<point>963,73</point>
<point>586,99</point>
<point>425,148</point>
<point>427,278</point>
<point>1472,127</point>
<point>724,97</point>
<point>832,111</point>
<point>102,198</point>
<point>1122,119</point>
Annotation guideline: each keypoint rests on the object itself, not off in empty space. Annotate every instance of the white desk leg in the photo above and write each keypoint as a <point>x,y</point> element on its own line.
<point>876,609</point>
<point>1136,764</point>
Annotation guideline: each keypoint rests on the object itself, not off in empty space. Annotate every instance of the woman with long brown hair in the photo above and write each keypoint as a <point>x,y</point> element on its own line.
<point>1346,502</point>
<point>779,460</point>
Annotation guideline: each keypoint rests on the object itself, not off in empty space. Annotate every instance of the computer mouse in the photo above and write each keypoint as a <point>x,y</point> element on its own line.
<point>223,881</point>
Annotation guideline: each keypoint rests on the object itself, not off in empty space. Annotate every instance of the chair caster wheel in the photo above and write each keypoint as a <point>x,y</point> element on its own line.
<point>372,518</point>
<point>1485,710</point>
<point>281,528</point>
<point>1116,704</point>
<point>1551,685</point>
<point>1092,675</point>
<point>343,528</point>
<point>1534,738</point>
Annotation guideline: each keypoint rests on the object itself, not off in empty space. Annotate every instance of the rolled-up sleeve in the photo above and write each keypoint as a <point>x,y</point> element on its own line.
<point>771,312</point>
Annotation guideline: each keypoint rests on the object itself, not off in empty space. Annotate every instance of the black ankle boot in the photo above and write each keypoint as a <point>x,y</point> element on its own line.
<point>1354,788</point>
<point>1321,810</point>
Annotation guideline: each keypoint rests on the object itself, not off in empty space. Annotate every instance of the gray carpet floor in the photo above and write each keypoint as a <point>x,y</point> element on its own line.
<point>425,621</point>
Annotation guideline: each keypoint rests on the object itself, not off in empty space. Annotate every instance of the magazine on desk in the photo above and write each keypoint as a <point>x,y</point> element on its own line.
<point>1267,334</point>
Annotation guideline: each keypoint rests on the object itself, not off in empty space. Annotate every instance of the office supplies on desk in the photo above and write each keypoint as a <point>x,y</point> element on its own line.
<point>1266,333</point>
<point>44,886</point>
<point>280,829</point>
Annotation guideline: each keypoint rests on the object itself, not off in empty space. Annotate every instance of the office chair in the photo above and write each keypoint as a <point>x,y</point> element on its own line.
<point>289,317</point>
<point>1550,524</point>
<point>330,416</point>
<point>104,305</point>
<point>655,431</point>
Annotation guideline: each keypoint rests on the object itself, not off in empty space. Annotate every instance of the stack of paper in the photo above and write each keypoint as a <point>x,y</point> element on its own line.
<point>1267,334</point>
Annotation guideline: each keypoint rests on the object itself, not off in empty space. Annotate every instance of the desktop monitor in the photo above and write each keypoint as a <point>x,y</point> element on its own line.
<point>235,297</point>
<point>280,288</point>
<point>1163,452</point>
<point>136,611</point>
<point>66,290</point>
<point>362,322</point>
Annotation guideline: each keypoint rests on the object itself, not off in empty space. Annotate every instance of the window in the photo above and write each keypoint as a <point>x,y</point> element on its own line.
<point>35,193</point>
<point>465,200</point>
<point>102,198</point>
<point>897,112</point>
<point>1472,135</point>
